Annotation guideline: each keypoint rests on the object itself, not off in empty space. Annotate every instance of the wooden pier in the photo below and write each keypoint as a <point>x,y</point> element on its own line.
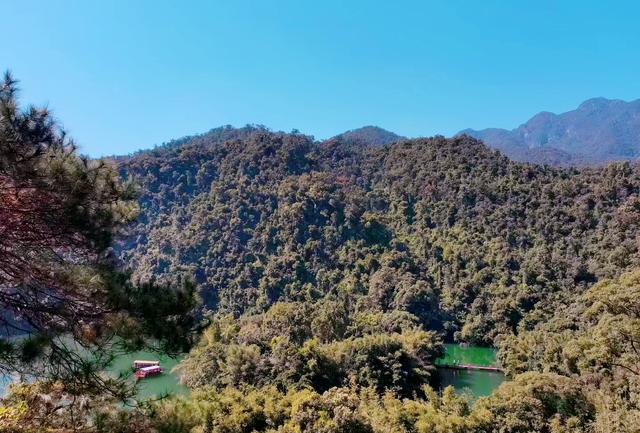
<point>471,367</point>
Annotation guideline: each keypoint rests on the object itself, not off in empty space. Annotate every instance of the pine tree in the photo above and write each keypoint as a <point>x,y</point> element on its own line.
<point>58,280</point>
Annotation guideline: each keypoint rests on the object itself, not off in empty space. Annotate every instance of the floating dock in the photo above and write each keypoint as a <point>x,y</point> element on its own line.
<point>138,364</point>
<point>471,367</point>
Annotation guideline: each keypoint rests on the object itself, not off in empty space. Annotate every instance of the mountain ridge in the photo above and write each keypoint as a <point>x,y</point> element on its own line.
<point>275,216</point>
<point>599,130</point>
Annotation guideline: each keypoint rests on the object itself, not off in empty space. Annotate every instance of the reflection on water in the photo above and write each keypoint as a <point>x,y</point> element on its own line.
<point>476,383</point>
<point>474,355</point>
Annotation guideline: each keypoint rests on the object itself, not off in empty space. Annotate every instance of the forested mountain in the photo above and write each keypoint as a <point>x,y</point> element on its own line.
<point>331,273</point>
<point>599,130</point>
<point>471,243</point>
<point>371,135</point>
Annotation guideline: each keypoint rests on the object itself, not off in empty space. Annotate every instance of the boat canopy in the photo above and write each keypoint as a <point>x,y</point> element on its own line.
<point>151,369</point>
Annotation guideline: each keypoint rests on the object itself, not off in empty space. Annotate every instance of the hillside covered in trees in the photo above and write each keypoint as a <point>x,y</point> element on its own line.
<point>250,280</point>
<point>474,245</point>
<point>331,273</point>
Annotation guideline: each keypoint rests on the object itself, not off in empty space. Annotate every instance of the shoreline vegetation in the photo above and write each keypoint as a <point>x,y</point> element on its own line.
<point>168,384</point>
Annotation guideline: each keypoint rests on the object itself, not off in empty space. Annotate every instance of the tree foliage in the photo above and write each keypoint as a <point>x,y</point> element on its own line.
<point>61,291</point>
<point>282,347</point>
<point>596,341</point>
<point>331,272</point>
<point>446,229</point>
<point>534,403</point>
<point>328,264</point>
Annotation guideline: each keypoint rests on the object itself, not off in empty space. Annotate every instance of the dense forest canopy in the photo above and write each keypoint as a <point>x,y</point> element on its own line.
<point>471,243</point>
<point>331,273</point>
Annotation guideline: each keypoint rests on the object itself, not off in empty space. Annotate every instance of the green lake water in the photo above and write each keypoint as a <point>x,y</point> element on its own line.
<point>476,383</point>
<point>474,355</point>
<point>156,386</point>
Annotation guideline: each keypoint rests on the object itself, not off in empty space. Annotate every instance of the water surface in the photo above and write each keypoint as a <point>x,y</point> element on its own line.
<point>475,383</point>
<point>456,354</point>
<point>155,386</point>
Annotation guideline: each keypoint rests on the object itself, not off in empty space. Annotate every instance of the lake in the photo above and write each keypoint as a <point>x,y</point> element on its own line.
<point>476,383</point>
<point>154,386</point>
<point>166,383</point>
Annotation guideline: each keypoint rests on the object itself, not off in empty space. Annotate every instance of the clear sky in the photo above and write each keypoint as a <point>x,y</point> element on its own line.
<point>125,75</point>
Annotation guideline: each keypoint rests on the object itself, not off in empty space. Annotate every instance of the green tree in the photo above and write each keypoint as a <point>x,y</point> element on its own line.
<point>59,212</point>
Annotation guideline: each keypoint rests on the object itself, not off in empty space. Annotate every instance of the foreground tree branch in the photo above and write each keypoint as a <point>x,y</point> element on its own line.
<point>59,287</point>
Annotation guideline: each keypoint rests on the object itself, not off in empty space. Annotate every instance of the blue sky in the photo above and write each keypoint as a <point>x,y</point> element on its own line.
<point>125,75</point>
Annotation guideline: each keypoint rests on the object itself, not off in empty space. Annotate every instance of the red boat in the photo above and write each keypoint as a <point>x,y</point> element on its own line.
<point>152,370</point>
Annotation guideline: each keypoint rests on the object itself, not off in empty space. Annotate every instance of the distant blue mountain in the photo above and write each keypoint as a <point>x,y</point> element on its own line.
<point>599,130</point>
